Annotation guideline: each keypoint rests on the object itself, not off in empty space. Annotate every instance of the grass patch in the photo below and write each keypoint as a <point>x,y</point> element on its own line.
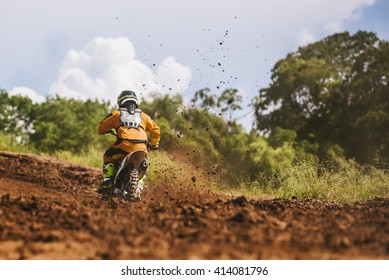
<point>308,180</point>
<point>9,143</point>
<point>92,158</point>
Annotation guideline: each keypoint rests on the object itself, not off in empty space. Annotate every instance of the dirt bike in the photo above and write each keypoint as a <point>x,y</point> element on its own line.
<point>129,171</point>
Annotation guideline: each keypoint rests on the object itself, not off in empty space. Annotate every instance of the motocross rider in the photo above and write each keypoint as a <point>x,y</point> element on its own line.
<point>130,124</point>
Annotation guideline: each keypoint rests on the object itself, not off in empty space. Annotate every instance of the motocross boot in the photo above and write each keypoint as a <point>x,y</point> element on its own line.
<point>109,173</point>
<point>141,184</point>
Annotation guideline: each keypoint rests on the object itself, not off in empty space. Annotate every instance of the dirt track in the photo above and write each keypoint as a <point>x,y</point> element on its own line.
<point>50,210</point>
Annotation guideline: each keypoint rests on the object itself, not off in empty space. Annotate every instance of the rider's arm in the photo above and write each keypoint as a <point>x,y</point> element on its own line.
<point>153,129</point>
<point>111,121</point>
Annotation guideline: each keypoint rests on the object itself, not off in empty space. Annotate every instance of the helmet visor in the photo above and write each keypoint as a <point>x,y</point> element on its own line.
<point>128,99</point>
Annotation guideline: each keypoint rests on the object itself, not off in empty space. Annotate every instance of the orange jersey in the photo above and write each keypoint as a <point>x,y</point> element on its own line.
<point>125,133</point>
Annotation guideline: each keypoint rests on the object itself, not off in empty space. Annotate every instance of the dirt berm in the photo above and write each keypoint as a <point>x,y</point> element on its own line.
<point>49,210</point>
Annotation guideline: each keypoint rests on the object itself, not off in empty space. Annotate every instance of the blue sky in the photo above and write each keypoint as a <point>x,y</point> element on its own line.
<point>94,49</point>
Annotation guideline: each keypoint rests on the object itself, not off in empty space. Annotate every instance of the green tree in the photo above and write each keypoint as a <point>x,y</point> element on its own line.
<point>15,115</point>
<point>229,102</point>
<point>204,99</point>
<point>332,92</point>
<point>67,124</point>
<point>167,111</point>
<point>368,102</point>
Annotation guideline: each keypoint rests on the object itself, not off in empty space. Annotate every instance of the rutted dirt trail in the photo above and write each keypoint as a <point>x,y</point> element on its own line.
<point>49,210</point>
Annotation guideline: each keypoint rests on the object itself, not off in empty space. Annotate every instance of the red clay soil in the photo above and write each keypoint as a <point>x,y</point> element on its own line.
<point>49,210</point>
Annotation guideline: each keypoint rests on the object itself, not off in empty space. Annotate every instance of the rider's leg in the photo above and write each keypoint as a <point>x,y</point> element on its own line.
<point>110,157</point>
<point>108,174</point>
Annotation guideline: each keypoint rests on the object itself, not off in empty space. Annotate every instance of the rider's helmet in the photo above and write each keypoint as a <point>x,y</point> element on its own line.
<point>127,96</point>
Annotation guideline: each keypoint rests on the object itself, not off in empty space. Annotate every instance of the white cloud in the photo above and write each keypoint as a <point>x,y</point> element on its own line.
<point>305,37</point>
<point>167,76</point>
<point>27,92</point>
<point>321,17</point>
<point>333,26</point>
<point>106,66</point>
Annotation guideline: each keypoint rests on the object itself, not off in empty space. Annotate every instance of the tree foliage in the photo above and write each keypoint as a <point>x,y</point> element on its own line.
<point>58,124</point>
<point>224,105</point>
<point>15,115</point>
<point>333,92</point>
<point>66,124</point>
